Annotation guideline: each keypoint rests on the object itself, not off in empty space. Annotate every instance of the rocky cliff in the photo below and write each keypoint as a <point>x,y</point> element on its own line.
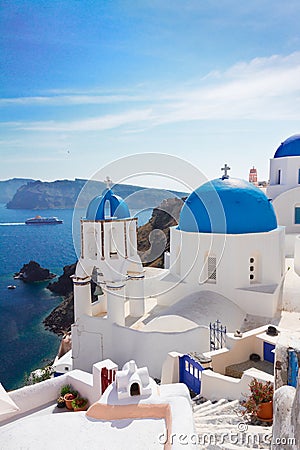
<point>64,285</point>
<point>61,318</point>
<point>154,236</point>
<point>153,240</point>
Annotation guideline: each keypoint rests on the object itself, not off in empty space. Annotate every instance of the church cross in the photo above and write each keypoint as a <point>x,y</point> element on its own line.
<point>226,169</point>
<point>108,182</point>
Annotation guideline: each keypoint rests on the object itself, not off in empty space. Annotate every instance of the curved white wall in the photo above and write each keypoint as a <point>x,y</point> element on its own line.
<point>284,206</point>
<point>289,167</point>
<point>297,256</point>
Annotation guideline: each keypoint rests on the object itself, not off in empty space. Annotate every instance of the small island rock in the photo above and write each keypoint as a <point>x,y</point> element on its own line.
<point>33,272</point>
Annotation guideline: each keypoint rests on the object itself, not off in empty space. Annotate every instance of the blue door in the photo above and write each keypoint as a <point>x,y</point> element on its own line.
<point>293,368</point>
<point>268,354</point>
<point>190,373</point>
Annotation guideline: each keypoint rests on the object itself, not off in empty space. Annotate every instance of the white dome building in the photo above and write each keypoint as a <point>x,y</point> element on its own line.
<point>228,242</point>
<point>284,188</point>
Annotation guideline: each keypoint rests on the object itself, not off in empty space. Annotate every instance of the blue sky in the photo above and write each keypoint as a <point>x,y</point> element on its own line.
<point>85,82</point>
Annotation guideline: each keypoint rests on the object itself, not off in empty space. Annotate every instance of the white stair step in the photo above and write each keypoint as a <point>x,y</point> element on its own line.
<point>225,409</point>
<point>202,405</point>
<point>212,407</point>
<point>218,419</point>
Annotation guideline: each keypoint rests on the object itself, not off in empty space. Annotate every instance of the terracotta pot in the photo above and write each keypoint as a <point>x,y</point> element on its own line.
<point>265,411</point>
<point>84,408</point>
<point>68,401</point>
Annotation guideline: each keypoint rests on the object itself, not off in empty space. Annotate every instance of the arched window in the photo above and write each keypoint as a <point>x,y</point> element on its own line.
<point>112,243</point>
<point>107,209</point>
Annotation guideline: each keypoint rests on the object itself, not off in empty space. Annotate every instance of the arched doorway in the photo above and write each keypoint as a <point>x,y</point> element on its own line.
<point>135,389</point>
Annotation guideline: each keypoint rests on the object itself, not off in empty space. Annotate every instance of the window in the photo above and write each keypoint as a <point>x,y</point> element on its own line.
<point>113,246</point>
<point>252,269</point>
<point>211,269</point>
<point>298,176</point>
<point>297,215</point>
<point>279,176</point>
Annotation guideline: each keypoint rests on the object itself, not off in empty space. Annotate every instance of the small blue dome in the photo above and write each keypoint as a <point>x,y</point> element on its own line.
<point>117,207</point>
<point>230,206</point>
<point>290,147</point>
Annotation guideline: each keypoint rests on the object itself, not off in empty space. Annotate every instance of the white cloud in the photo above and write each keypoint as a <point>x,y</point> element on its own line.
<point>75,99</point>
<point>92,124</point>
<point>264,88</point>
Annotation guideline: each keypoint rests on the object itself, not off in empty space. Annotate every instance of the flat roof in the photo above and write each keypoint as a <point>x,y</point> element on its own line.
<point>51,427</point>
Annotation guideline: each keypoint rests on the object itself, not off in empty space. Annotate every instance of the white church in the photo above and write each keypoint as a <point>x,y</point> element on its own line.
<point>226,261</point>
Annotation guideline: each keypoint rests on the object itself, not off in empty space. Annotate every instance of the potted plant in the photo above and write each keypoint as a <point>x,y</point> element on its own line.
<point>80,404</point>
<point>69,394</point>
<point>61,402</point>
<point>68,398</point>
<point>259,404</point>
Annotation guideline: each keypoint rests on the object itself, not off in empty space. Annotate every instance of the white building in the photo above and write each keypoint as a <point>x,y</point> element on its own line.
<point>226,260</point>
<point>284,188</point>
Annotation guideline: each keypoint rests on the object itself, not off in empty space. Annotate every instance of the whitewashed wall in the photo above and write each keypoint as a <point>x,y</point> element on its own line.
<point>233,254</point>
<point>95,339</point>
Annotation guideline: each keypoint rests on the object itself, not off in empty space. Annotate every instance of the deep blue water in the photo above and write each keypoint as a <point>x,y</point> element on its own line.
<point>24,343</point>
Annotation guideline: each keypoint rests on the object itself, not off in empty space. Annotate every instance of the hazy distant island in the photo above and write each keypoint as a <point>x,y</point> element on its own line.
<point>63,194</point>
<point>8,188</point>
<point>163,217</point>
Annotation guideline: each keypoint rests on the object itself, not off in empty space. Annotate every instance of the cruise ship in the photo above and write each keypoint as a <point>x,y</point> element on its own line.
<point>38,220</point>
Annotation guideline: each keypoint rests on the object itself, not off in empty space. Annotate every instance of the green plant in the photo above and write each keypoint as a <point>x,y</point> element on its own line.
<point>79,402</point>
<point>68,389</point>
<point>261,392</point>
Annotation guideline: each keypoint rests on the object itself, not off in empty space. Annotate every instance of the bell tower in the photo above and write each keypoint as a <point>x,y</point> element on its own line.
<point>109,246</point>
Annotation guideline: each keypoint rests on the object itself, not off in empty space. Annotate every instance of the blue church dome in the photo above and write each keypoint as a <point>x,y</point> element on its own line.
<point>228,205</point>
<point>106,206</point>
<point>290,147</point>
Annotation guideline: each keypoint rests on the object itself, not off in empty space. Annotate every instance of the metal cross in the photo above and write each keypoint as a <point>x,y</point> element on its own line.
<point>225,168</point>
<point>108,182</point>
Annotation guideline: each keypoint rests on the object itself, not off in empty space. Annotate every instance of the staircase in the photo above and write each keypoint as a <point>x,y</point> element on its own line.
<point>220,425</point>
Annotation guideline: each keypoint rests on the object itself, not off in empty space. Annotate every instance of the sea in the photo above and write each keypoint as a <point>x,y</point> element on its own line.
<point>25,344</point>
